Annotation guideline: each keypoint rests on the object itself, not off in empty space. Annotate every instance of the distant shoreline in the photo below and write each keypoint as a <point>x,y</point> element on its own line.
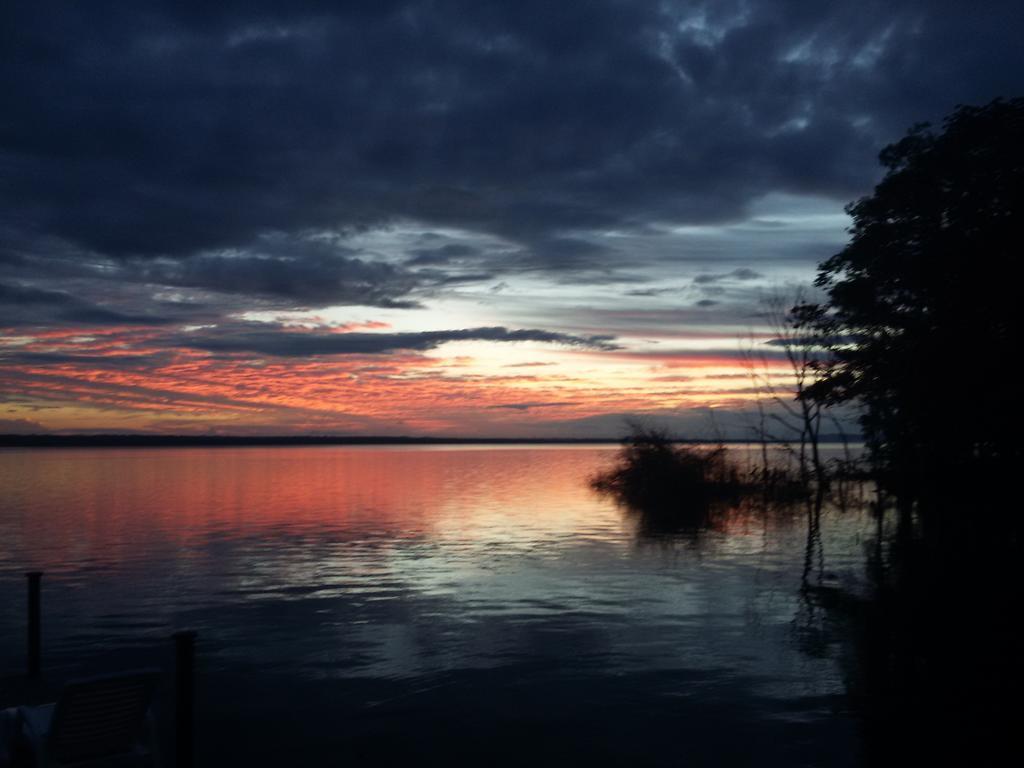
<point>171,441</point>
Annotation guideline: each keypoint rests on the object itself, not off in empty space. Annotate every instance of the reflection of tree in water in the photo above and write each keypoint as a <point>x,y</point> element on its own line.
<point>720,517</point>
<point>928,648</point>
<point>923,640</point>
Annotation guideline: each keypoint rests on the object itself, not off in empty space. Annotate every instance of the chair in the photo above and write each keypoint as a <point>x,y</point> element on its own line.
<point>101,721</point>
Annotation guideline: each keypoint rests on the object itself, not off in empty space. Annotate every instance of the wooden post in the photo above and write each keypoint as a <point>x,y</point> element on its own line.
<point>184,697</point>
<point>34,630</point>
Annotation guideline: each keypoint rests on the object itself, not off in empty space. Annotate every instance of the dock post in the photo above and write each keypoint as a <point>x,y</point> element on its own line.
<point>184,697</point>
<point>34,630</point>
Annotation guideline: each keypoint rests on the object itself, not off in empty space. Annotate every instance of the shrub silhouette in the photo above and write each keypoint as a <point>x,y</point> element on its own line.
<point>655,476</point>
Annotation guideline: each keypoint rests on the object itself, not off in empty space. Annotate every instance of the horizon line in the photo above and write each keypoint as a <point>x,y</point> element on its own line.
<point>99,440</point>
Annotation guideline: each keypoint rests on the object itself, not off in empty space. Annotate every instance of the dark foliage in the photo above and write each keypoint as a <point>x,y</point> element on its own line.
<point>922,305</point>
<point>923,300</point>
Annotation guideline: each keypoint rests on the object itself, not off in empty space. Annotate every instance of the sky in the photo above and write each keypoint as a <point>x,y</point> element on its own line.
<point>515,219</point>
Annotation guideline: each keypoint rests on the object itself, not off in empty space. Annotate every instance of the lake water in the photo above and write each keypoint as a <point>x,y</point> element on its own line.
<point>452,604</point>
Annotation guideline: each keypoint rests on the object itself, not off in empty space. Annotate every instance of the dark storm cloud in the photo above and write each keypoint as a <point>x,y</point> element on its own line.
<point>21,427</point>
<point>530,406</point>
<point>445,254</point>
<point>815,342</point>
<point>27,306</point>
<point>181,131</point>
<point>567,253</point>
<point>650,292</point>
<point>743,273</point>
<point>110,362</point>
<point>312,276</point>
<point>293,344</point>
<point>586,261</point>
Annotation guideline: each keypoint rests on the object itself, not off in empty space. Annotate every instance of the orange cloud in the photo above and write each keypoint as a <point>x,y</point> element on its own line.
<point>86,379</point>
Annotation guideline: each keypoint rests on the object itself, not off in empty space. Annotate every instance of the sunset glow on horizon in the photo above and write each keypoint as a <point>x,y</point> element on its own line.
<point>126,379</point>
<point>515,352</point>
<point>434,218</point>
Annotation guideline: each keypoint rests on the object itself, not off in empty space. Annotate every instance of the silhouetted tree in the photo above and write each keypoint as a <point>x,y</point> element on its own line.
<point>923,324</point>
<point>922,303</point>
<point>793,419</point>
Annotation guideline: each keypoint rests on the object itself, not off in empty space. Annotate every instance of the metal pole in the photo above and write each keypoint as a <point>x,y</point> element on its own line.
<point>34,631</point>
<point>184,697</point>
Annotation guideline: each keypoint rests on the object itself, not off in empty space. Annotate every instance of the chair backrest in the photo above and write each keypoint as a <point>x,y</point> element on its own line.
<point>101,716</point>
